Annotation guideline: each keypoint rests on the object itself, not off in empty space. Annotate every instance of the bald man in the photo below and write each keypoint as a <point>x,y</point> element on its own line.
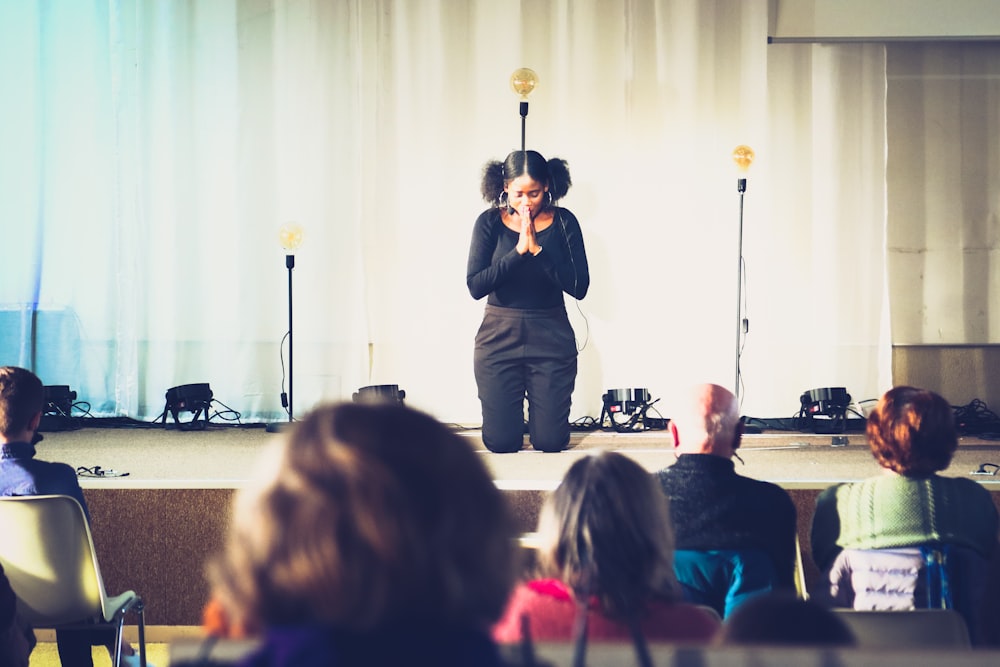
<point>715,509</point>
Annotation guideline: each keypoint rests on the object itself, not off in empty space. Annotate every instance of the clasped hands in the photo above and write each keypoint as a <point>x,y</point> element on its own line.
<point>527,242</point>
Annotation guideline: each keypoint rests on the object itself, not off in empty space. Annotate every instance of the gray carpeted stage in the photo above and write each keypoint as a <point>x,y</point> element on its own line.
<point>222,456</point>
<point>156,527</point>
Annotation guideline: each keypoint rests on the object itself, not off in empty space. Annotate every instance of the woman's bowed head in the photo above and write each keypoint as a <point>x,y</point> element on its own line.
<point>525,187</point>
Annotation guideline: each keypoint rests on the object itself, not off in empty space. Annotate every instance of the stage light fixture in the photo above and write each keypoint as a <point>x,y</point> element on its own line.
<point>193,398</point>
<point>824,410</point>
<point>626,409</point>
<point>58,400</point>
<point>56,415</point>
<point>380,393</point>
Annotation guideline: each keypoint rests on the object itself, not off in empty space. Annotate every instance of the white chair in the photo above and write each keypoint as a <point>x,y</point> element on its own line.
<point>48,554</point>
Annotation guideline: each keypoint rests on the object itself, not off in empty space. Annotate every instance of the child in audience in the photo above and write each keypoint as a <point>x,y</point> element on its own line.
<point>372,535</point>
<point>606,561</point>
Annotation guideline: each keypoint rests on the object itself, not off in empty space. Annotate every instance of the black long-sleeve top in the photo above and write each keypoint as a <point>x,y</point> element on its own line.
<point>526,281</point>
<point>712,507</point>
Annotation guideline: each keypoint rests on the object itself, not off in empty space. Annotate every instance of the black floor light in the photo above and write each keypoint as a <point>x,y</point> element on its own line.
<point>379,393</point>
<point>59,400</point>
<point>193,398</point>
<point>626,410</point>
<point>57,415</point>
<point>824,410</point>
<point>743,156</point>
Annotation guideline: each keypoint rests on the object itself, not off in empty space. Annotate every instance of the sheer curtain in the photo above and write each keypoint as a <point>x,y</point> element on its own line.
<point>153,150</point>
<point>944,178</point>
<point>816,264</point>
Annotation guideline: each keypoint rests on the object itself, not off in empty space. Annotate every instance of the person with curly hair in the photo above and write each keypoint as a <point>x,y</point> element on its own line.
<point>911,537</point>
<point>912,435</point>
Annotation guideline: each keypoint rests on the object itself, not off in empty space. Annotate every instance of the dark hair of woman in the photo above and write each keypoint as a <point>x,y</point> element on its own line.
<point>605,531</point>
<point>912,432</point>
<point>553,173</point>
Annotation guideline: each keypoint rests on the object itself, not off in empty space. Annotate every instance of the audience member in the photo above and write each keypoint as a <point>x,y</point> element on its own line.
<point>22,403</point>
<point>370,535</point>
<point>780,617</point>
<point>606,559</point>
<point>735,536</point>
<point>912,435</point>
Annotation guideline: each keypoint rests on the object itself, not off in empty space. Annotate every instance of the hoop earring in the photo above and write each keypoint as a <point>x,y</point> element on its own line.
<point>503,200</point>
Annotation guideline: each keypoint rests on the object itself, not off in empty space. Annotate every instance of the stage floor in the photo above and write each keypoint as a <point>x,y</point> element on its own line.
<point>223,457</point>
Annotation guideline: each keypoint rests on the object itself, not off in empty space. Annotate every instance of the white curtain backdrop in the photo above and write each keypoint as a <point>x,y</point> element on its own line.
<point>944,185</point>
<point>152,150</point>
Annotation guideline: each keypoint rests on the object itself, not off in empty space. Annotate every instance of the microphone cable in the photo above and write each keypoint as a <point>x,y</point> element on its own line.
<point>569,251</point>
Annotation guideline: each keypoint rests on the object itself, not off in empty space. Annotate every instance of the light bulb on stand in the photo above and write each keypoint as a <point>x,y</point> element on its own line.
<point>290,236</point>
<point>522,82</point>
<point>743,156</point>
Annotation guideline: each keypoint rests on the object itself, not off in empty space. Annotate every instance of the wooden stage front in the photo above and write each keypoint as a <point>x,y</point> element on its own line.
<point>156,527</point>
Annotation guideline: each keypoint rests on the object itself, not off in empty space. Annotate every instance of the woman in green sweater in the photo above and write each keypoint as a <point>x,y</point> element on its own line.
<point>913,437</point>
<point>865,534</point>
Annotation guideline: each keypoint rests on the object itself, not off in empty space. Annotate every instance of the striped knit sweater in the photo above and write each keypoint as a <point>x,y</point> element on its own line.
<point>898,511</point>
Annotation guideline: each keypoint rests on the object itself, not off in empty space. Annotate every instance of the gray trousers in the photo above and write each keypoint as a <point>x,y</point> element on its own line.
<point>525,353</point>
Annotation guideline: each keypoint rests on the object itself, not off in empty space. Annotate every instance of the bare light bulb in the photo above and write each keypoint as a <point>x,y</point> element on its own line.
<point>523,81</point>
<point>743,157</point>
<point>290,236</point>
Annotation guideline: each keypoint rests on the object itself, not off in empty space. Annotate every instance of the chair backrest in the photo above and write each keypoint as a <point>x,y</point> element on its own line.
<point>916,628</point>
<point>724,578</point>
<point>933,576</point>
<point>878,579</point>
<point>48,554</point>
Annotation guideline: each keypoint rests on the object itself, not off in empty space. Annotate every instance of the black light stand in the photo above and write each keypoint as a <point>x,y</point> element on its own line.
<point>286,398</point>
<point>290,264</point>
<point>524,118</point>
<point>743,156</point>
<point>522,82</point>
<point>741,187</point>
<point>58,413</point>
